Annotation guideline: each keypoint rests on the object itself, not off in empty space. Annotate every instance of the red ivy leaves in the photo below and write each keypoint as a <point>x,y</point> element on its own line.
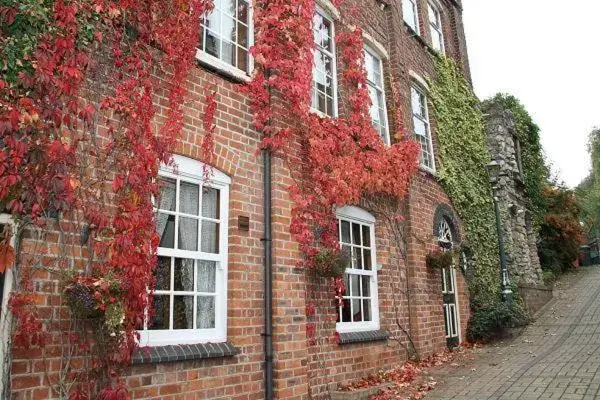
<point>345,157</point>
<point>42,121</point>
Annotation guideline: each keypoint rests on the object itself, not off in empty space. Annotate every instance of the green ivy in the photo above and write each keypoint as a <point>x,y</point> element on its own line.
<point>463,155</point>
<point>535,171</point>
<point>20,32</point>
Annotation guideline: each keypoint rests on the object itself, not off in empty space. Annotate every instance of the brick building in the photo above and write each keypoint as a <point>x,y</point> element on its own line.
<point>206,340</point>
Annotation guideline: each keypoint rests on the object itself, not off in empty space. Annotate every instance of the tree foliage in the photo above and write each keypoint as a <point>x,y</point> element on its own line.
<point>587,192</point>
<point>560,233</point>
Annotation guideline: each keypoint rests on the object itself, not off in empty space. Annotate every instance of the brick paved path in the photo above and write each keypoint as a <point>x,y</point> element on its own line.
<point>557,357</point>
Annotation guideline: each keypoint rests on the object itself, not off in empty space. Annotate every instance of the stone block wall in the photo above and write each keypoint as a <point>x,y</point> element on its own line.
<point>519,236</point>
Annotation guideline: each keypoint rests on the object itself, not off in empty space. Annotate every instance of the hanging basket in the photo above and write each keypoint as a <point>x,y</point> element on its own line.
<point>330,263</point>
<point>80,299</point>
<point>97,300</point>
<point>440,259</point>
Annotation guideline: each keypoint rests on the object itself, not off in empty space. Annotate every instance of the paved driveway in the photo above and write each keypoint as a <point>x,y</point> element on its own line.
<point>557,357</point>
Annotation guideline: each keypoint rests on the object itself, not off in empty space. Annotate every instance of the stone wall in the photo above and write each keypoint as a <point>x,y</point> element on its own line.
<point>519,236</point>
<point>535,297</point>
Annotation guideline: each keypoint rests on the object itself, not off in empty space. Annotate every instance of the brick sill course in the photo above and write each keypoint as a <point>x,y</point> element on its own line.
<point>184,352</point>
<point>363,337</point>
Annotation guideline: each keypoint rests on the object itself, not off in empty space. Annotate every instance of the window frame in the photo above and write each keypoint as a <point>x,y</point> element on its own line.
<point>415,7</point>
<point>5,314</point>
<point>381,90</point>
<point>438,27</point>
<point>425,119</point>
<point>222,66</point>
<point>333,54</point>
<point>189,170</point>
<point>358,215</point>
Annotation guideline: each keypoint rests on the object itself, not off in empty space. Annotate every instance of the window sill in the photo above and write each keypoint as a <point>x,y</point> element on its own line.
<point>428,171</point>
<point>227,71</point>
<point>363,337</point>
<point>320,113</point>
<point>420,39</point>
<point>184,352</point>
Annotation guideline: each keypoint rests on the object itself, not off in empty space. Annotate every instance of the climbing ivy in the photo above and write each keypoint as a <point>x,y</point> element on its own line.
<point>463,155</point>
<point>535,170</point>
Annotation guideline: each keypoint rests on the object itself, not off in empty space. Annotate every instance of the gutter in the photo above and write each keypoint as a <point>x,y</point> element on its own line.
<point>268,271</point>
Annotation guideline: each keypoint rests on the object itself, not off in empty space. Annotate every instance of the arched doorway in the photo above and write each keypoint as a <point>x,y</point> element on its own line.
<point>449,287</point>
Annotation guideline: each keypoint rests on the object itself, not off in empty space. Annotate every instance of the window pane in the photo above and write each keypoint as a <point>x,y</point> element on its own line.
<point>212,45</point>
<point>161,313</point>
<point>432,14</point>
<point>165,227</point>
<point>188,234</point>
<point>210,203</point>
<point>347,284</point>
<point>210,237</point>
<point>206,276</point>
<point>184,275</point>
<point>228,52</point>
<point>356,310</point>
<point>242,35</point>
<point>183,312</point>
<point>346,312</point>
<point>348,251</point>
<point>357,255</point>
<point>367,259</point>
<point>167,194</point>
<point>205,318</point>
<point>366,309</point>
<point>356,234</point>
<point>436,40</point>
<point>228,6</point>
<point>374,110</point>
<point>366,286</point>
<point>228,28</point>
<point>366,232</point>
<point>409,11</point>
<point>162,274</point>
<point>212,20</point>
<point>243,11</point>
<point>420,127</point>
<point>354,285</point>
<point>189,198</point>
<point>242,59</point>
<point>417,102</point>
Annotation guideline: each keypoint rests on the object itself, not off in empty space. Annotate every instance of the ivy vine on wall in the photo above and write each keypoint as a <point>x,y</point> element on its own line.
<point>463,155</point>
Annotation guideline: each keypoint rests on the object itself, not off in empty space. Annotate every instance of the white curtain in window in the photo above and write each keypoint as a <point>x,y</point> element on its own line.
<point>167,199</point>
<point>206,284</point>
<point>210,204</point>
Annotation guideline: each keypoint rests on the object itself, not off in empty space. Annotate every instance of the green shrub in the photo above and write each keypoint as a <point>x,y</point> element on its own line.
<point>491,322</point>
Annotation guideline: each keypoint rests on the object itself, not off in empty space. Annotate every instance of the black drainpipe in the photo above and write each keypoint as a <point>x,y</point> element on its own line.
<point>268,264</point>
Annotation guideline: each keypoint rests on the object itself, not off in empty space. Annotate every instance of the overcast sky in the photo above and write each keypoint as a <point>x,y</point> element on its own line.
<point>546,53</point>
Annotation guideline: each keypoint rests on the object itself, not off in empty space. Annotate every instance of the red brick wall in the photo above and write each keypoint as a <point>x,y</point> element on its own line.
<point>300,369</point>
